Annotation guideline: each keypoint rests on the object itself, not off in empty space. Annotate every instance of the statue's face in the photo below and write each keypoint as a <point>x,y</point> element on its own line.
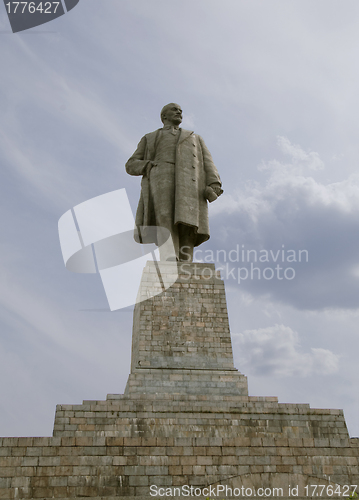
<point>174,114</point>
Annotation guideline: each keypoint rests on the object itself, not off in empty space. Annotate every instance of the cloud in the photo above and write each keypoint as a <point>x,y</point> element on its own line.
<point>292,210</point>
<point>300,160</point>
<point>275,351</point>
<point>54,352</point>
<point>57,129</point>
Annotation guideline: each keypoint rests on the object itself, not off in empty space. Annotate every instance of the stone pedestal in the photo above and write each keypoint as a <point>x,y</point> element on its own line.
<point>185,420</point>
<point>181,341</point>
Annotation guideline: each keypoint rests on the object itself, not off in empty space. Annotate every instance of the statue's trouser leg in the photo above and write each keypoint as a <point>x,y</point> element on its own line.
<point>162,186</point>
<point>167,249</point>
<point>186,242</point>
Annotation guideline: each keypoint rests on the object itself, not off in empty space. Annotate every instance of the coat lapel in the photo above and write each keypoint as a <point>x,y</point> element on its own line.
<point>184,135</point>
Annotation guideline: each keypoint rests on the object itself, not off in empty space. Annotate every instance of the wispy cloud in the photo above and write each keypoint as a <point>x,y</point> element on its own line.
<point>275,351</point>
<point>293,210</point>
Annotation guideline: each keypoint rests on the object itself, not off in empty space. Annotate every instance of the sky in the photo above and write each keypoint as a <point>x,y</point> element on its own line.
<point>272,87</point>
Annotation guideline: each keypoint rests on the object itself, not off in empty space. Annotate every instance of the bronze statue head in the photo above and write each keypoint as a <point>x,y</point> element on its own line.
<point>171,114</point>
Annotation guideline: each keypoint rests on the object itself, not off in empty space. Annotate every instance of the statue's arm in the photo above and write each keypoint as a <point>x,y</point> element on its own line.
<point>212,175</point>
<point>137,164</point>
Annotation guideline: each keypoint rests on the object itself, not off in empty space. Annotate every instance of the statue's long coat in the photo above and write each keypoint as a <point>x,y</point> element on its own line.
<point>194,170</point>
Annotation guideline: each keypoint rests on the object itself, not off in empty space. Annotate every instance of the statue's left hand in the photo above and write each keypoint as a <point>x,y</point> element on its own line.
<point>217,188</point>
<point>212,192</point>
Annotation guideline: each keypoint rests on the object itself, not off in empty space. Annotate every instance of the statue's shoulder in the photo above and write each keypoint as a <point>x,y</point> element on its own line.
<point>152,135</point>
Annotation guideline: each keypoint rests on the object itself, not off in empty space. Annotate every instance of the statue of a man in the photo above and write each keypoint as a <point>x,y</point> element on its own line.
<point>178,177</point>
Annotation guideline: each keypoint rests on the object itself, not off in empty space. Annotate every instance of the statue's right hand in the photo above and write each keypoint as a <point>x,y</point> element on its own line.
<point>149,167</point>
